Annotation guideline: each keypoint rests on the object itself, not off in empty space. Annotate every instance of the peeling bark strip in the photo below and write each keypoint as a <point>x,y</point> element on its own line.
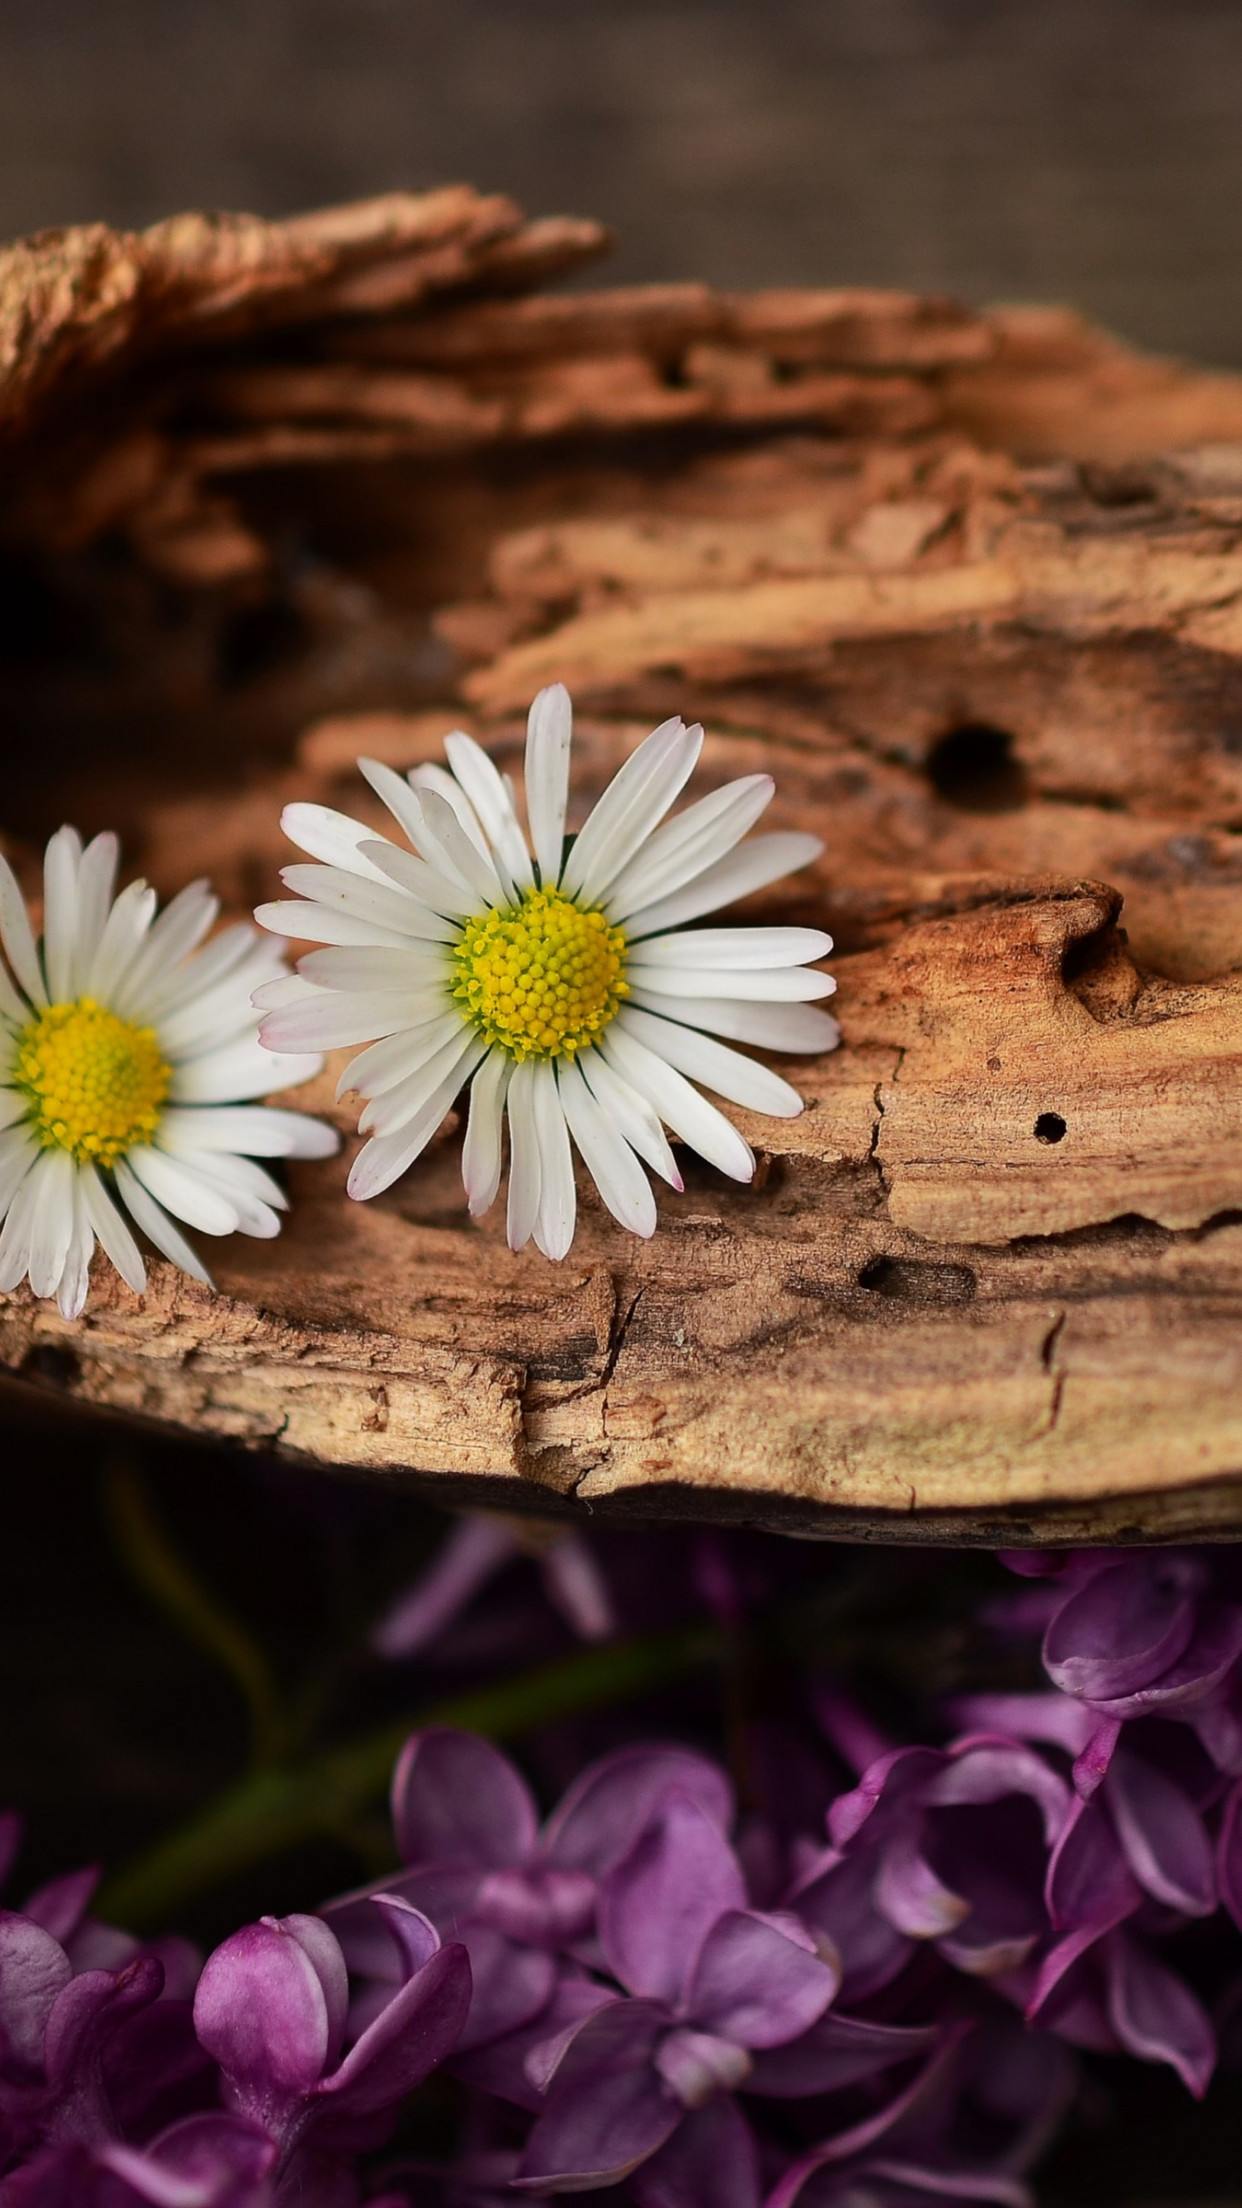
<point>969,585</point>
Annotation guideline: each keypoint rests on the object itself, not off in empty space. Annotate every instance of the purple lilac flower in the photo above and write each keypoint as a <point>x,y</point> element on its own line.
<point>272,2008</point>
<point>714,1983</point>
<point>942,1845</point>
<point>520,1896</point>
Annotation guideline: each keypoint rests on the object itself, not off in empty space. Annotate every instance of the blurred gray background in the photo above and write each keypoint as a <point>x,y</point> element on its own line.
<point>1085,150</point>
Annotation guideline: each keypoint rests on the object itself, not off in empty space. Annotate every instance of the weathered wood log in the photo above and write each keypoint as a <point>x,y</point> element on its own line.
<point>969,585</point>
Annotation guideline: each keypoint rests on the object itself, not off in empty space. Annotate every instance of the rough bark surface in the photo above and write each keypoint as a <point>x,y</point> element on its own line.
<point>970,585</point>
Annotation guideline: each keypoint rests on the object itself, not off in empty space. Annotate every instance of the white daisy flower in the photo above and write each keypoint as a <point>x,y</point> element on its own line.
<point>124,1063</point>
<point>563,985</point>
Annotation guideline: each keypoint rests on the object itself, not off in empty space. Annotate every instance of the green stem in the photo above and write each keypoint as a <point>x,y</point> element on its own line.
<point>169,1581</point>
<point>273,1810</point>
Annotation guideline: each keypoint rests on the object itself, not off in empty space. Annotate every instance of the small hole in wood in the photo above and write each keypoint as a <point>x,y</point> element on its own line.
<point>1050,1127</point>
<point>974,767</point>
<point>918,1280</point>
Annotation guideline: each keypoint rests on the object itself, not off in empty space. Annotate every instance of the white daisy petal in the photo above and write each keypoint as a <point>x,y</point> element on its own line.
<point>51,1229</point>
<point>96,888</point>
<point>432,777</point>
<point>20,1220</point>
<point>115,1239</point>
<point>220,1015</point>
<point>332,838</point>
<point>61,861</point>
<point>442,893</point>
<point>764,859</point>
<point>252,1193</point>
<point>379,968</point>
<point>323,924</point>
<point>632,1115</point>
<point>332,890</point>
<point>243,1071</point>
<point>118,946</point>
<point>734,949</point>
<point>157,1226</point>
<point>75,1278</point>
<point>13,1107</point>
<point>681,1107</point>
<point>493,803</point>
<point>328,1020</point>
<point>223,1168</point>
<point>276,996</point>
<point>524,1165</point>
<point>399,1055</point>
<point>172,937</point>
<point>226,952</point>
<point>17,936</point>
<point>13,1006</point>
<point>18,1151</point>
<point>742,1080</point>
<point>775,984</point>
<point>385,1158</point>
<point>638,796</point>
<point>783,1027</point>
<point>433,828</point>
<point>182,1191</point>
<point>549,734</point>
<point>251,1130</point>
<point>395,1107</point>
<point>609,1159</point>
<point>443,832</point>
<point>690,842</point>
<point>558,1198</point>
<point>481,1151</point>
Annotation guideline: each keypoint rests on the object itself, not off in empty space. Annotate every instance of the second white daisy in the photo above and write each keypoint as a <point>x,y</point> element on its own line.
<point>562,984</point>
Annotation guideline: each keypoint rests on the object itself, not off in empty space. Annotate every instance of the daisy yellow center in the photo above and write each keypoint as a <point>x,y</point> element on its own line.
<point>542,979</point>
<point>95,1084</point>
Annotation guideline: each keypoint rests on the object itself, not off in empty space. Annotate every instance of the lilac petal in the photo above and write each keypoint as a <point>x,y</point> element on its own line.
<point>711,2157</point>
<point>607,2110</point>
<point>409,2038</point>
<point>909,1894</point>
<point>1156,2016</point>
<point>755,1985</point>
<point>1162,1835</point>
<point>456,1799</point>
<point>699,2066</point>
<point>1091,1766</point>
<point>1048,1717</point>
<point>262,2011</point>
<point>34,1969</point>
<point>208,2161</point>
<point>512,1983</point>
<point>546,1908</point>
<point>657,1906</point>
<point>887,1785</point>
<point>950,2184</point>
<point>1198,1671</point>
<point>519,2066</point>
<point>88,2011</point>
<point>1125,1627</point>
<point>836,2052</point>
<point>984,1770</point>
<point>606,1808</point>
<point>1089,1881</point>
<point>839,1903</point>
<point>476,1549</point>
<point>413,1935</point>
<point>61,1905</point>
<point>862,2137</point>
<point>445,1896</point>
<point>1217,1722</point>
